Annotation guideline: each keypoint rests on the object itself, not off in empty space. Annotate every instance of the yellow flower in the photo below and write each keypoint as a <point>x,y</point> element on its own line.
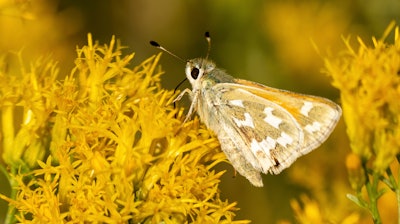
<point>24,96</point>
<point>355,171</point>
<point>115,148</point>
<point>369,84</point>
<point>308,211</point>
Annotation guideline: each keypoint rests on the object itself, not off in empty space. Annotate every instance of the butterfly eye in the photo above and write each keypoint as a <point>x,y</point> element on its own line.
<point>195,73</point>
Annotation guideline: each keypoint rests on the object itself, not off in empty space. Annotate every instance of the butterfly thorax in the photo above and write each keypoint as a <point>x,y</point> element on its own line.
<point>204,76</point>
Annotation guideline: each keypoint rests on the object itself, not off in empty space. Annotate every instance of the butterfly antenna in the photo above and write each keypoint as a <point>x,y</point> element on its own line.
<point>157,45</point>
<point>208,39</point>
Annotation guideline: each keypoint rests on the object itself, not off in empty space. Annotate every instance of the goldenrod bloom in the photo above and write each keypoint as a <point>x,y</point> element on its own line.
<point>369,84</point>
<point>105,145</point>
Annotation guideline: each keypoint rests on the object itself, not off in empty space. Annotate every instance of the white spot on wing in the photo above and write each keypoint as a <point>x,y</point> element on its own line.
<point>268,144</point>
<point>305,109</point>
<point>316,126</point>
<point>263,147</point>
<point>284,139</point>
<point>271,119</point>
<point>248,121</point>
<point>238,103</point>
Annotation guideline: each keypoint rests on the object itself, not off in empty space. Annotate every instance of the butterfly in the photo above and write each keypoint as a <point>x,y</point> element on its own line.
<point>260,129</point>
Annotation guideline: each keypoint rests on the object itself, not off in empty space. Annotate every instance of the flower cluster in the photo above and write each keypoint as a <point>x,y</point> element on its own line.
<point>105,145</point>
<point>369,84</point>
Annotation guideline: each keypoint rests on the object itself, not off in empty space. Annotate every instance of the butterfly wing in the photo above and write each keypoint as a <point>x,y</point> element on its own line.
<point>317,116</point>
<point>255,134</point>
<point>238,161</point>
<point>275,126</point>
<point>263,132</point>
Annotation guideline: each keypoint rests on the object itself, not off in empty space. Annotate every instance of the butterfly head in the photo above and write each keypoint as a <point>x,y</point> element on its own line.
<point>196,69</point>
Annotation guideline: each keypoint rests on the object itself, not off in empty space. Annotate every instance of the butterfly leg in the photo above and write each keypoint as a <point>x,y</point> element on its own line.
<point>194,97</point>
<point>179,97</point>
<point>191,109</point>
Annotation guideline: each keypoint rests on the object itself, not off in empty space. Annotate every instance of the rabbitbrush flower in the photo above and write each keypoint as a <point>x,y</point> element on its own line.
<point>105,145</point>
<point>369,84</point>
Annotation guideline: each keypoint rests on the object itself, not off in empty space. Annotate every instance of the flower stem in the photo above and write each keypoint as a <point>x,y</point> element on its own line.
<point>398,196</point>
<point>394,186</point>
<point>373,194</point>
<point>10,216</point>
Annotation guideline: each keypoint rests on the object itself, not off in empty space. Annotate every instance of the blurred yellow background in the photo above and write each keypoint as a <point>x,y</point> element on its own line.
<point>270,42</point>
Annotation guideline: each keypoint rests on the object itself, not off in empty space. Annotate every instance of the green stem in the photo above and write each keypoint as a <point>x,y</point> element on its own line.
<point>394,186</point>
<point>10,216</point>
<point>397,191</point>
<point>373,195</point>
<point>7,130</point>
